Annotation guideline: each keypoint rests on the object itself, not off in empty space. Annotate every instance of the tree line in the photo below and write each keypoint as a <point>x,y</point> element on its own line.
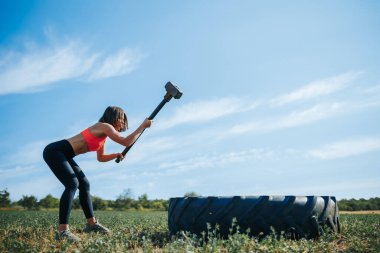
<point>359,204</point>
<point>125,201</point>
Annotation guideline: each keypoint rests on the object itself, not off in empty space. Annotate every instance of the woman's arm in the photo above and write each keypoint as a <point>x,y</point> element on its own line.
<point>106,158</point>
<point>114,135</point>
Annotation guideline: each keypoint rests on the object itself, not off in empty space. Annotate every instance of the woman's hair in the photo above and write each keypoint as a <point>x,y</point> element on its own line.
<point>111,116</point>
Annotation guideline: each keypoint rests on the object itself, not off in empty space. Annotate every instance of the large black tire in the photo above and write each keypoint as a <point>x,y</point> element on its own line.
<point>297,216</point>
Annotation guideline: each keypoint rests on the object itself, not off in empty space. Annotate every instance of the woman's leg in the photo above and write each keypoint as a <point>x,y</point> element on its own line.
<point>85,200</point>
<point>61,168</point>
<point>84,191</point>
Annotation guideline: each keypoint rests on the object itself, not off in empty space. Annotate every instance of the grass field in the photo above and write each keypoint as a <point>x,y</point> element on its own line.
<point>360,212</point>
<point>33,231</point>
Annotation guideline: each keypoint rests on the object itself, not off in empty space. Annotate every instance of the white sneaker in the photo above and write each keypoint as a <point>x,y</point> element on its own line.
<point>66,235</point>
<point>97,227</point>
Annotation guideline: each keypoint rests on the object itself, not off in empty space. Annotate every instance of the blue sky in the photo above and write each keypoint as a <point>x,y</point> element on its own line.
<point>280,97</point>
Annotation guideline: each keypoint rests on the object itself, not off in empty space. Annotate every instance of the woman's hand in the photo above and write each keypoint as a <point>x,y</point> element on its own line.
<point>147,123</point>
<point>119,155</point>
<point>106,158</point>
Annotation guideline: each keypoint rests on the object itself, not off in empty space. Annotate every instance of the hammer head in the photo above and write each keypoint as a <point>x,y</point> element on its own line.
<point>172,90</point>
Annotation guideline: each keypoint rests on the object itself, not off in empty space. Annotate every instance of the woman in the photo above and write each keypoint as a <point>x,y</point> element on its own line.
<point>59,157</point>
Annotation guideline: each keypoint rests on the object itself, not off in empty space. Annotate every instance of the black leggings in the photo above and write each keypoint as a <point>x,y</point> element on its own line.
<point>59,156</point>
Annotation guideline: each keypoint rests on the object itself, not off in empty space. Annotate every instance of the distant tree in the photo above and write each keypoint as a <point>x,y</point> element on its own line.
<point>76,203</point>
<point>122,203</point>
<point>342,204</point>
<point>144,202</point>
<point>160,204</point>
<point>4,198</point>
<point>376,201</point>
<point>136,205</point>
<point>29,202</point>
<point>166,204</point>
<point>126,194</point>
<point>124,200</point>
<point>359,204</point>
<point>98,203</point>
<point>49,202</point>
<point>192,194</point>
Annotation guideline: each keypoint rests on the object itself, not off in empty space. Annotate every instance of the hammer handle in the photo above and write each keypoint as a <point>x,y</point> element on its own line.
<point>154,113</point>
<point>159,107</point>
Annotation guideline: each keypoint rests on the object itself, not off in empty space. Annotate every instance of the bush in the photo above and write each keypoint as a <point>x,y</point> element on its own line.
<point>98,203</point>
<point>359,205</point>
<point>29,202</point>
<point>49,202</point>
<point>4,198</point>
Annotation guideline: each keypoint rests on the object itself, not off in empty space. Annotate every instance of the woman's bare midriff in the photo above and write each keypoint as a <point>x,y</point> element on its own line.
<point>78,143</point>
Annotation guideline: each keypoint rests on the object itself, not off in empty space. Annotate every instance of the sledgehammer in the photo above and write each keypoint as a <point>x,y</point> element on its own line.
<point>172,91</point>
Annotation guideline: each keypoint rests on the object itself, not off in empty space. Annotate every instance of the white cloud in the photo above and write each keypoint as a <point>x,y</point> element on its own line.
<point>211,161</point>
<point>38,68</point>
<point>207,110</point>
<point>17,172</point>
<point>34,70</point>
<point>29,153</point>
<point>213,109</point>
<point>347,148</point>
<point>317,88</point>
<point>120,63</point>
<point>371,90</point>
<point>294,119</point>
<point>38,187</point>
<point>158,168</point>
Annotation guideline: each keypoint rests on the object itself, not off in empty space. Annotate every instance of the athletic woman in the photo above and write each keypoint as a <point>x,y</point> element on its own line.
<point>59,157</point>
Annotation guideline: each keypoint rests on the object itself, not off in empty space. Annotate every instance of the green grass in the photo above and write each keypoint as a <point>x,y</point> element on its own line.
<point>33,231</point>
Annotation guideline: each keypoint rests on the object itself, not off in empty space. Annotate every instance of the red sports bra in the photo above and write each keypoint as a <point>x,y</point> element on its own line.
<point>93,142</point>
